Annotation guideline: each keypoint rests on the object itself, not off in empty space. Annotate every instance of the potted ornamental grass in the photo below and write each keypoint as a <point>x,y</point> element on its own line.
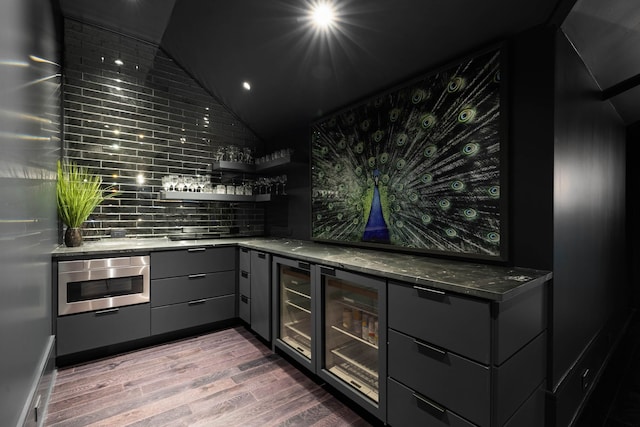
<point>78,192</point>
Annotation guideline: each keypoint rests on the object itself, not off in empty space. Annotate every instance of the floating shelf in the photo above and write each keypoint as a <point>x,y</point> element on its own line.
<point>213,197</point>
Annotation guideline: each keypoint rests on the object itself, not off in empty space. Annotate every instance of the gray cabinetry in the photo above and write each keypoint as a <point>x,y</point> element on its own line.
<point>85,331</point>
<point>261,294</point>
<point>192,287</point>
<point>456,360</point>
<point>254,286</point>
<point>244,285</point>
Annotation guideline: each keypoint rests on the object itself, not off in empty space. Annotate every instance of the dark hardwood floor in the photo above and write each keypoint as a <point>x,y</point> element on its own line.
<point>225,378</point>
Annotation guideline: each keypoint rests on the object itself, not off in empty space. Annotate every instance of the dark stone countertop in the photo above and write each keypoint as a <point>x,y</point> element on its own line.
<point>493,282</point>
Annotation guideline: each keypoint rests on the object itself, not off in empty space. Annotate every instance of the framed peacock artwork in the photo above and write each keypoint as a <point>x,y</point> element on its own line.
<point>421,167</point>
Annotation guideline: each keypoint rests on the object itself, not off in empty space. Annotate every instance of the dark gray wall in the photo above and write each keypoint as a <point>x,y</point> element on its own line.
<point>633,211</point>
<point>147,117</point>
<point>589,262</point>
<point>29,147</point>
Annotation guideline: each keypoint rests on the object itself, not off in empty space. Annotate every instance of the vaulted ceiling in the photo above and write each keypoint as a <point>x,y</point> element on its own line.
<point>297,74</point>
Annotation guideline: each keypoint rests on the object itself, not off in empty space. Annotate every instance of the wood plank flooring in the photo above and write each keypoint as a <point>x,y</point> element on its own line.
<point>225,378</point>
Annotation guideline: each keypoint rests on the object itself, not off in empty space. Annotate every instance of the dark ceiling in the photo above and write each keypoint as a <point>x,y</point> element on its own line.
<point>298,74</point>
<point>607,35</point>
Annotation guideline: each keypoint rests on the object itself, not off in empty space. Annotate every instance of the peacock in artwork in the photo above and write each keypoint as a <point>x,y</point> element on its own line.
<point>418,167</point>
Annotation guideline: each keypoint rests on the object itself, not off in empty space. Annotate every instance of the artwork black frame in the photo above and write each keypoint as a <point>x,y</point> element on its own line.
<point>419,168</point>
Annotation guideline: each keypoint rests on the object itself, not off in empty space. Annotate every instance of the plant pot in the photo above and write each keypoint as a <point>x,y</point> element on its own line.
<point>73,237</point>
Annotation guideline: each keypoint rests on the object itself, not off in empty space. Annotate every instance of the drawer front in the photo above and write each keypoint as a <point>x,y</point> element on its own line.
<point>453,381</point>
<point>180,316</point>
<point>245,259</point>
<point>244,308</point>
<point>193,287</point>
<point>519,376</point>
<point>85,331</point>
<point>244,283</point>
<point>456,323</point>
<point>192,261</point>
<point>405,408</point>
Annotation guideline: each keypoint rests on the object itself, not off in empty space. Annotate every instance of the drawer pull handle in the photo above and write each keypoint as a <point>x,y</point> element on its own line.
<point>107,311</point>
<point>433,291</point>
<point>245,250</point>
<point>196,302</point>
<point>197,276</point>
<point>244,274</point>
<point>355,384</point>
<point>244,299</point>
<point>196,249</point>
<point>428,347</point>
<point>430,403</point>
<point>262,255</point>
<point>300,349</point>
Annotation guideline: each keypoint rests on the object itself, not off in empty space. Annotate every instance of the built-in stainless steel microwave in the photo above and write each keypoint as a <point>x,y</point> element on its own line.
<point>96,284</point>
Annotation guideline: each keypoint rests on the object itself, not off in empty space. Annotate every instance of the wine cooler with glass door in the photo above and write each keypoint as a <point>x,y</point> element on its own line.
<point>294,307</point>
<point>353,330</point>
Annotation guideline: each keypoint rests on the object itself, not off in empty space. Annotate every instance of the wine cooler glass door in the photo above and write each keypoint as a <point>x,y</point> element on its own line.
<point>351,332</point>
<point>295,309</point>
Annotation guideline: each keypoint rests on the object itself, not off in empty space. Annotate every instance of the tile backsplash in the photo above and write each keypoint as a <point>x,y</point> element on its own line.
<point>132,115</point>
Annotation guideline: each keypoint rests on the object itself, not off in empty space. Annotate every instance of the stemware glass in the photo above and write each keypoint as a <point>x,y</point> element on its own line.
<point>174,182</point>
<point>188,182</point>
<point>283,180</point>
<point>166,183</point>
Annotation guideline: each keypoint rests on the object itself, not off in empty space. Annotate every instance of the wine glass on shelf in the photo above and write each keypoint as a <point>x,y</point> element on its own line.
<point>283,180</point>
<point>188,183</point>
<point>166,183</point>
<point>173,179</point>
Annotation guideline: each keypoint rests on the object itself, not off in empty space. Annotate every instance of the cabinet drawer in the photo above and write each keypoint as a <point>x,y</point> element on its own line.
<point>245,259</point>
<point>406,408</point>
<point>85,331</point>
<point>449,321</point>
<point>244,308</point>
<point>519,376</point>
<point>188,288</point>
<point>244,283</point>
<point>460,384</point>
<point>180,316</point>
<point>192,261</point>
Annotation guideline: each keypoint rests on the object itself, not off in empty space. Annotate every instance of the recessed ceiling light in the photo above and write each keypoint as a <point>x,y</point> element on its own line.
<point>246,85</point>
<point>119,62</point>
<point>323,15</point>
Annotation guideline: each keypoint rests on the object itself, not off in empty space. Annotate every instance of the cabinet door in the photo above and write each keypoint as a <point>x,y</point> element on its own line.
<point>261,294</point>
<point>193,313</point>
<point>449,321</point>
<point>408,408</point>
<point>174,290</point>
<point>353,329</point>
<point>79,332</point>
<point>459,384</point>
<point>294,310</point>
<point>192,261</point>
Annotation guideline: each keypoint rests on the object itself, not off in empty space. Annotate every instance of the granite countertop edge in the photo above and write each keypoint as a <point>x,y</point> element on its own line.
<point>487,281</point>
